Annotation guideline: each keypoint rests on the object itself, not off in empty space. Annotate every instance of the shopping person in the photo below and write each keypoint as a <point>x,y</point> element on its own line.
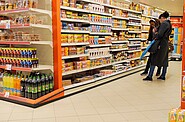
<point>160,55</point>
<point>154,25</point>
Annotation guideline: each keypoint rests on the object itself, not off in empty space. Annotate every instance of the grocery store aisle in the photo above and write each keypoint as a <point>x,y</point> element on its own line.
<point>126,100</point>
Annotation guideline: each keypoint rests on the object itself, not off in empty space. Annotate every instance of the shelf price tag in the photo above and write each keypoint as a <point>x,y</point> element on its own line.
<point>8,25</point>
<point>8,67</point>
<point>7,94</point>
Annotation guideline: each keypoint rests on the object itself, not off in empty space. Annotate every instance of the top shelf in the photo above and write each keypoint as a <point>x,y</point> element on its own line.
<point>23,10</point>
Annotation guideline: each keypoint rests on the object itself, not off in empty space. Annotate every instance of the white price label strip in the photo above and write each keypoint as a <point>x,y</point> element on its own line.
<point>7,94</point>
<point>8,25</point>
<point>8,67</point>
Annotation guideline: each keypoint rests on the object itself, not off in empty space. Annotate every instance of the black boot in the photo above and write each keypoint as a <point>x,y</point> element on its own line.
<point>161,78</point>
<point>148,79</point>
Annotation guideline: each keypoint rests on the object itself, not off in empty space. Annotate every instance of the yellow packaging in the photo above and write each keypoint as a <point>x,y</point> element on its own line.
<point>180,116</point>
<point>86,38</point>
<point>70,38</point>
<point>78,38</point>
<point>172,115</point>
<point>64,38</point>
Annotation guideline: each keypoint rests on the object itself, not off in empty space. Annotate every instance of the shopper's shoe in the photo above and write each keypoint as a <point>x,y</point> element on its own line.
<point>158,74</point>
<point>161,78</point>
<point>144,73</point>
<point>148,79</point>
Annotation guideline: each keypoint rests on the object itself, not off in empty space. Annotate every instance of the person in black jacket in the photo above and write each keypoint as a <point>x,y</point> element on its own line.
<point>160,57</point>
<point>154,25</point>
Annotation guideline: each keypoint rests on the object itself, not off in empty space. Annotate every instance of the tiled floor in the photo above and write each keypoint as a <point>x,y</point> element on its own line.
<point>126,100</point>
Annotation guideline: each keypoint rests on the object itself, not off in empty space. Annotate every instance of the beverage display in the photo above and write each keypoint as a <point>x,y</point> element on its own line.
<point>31,86</point>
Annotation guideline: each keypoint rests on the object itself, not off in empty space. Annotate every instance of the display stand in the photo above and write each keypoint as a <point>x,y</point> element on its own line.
<point>114,61</point>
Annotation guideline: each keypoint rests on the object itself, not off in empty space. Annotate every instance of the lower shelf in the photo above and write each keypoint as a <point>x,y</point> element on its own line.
<point>100,78</point>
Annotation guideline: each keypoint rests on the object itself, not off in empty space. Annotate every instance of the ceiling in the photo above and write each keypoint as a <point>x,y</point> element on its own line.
<point>175,7</point>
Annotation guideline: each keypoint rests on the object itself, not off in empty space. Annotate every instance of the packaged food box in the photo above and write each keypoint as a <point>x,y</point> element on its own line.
<point>64,38</point>
<point>70,38</point>
<point>72,50</point>
<point>66,82</point>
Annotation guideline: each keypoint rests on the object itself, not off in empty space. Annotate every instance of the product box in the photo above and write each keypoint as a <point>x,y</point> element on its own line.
<point>64,38</point>
<point>66,82</point>
<point>70,38</point>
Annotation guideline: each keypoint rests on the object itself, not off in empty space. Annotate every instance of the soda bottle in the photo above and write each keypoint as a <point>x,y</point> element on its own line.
<point>5,83</point>
<point>39,87</point>
<point>43,85</point>
<point>51,86</point>
<point>12,85</point>
<point>34,88</point>
<point>47,84</point>
<point>18,89</point>
<point>26,86</point>
<point>30,88</point>
<point>22,87</point>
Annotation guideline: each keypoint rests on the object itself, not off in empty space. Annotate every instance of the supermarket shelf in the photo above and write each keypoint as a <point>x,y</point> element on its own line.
<point>133,11</point>
<point>132,24</point>
<point>104,56</point>
<point>99,33</point>
<point>114,50</point>
<point>74,9</point>
<point>124,29</point>
<point>75,56</point>
<point>144,31</point>
<point>134,39</point>
<point>132,18</point>
<point>134,31</point>
<point>143,39</point>
<point>143,48</point>
<point>100,78</point>
<point>146,16</point>
<point>74,44</point>
<point>132,45</point>
<point>26,26</point>
<point>100,13</point>
<point>22,10</point>
<point>40,68</point>
<point>119,42</point>
<point>101,45</point>
<point>74,20</point>
<point>118,17</point>
<point>74,31</point>
<point>147,24</point>
<point>86,69</point>
<point>105,24</point>
<point>131,51</point>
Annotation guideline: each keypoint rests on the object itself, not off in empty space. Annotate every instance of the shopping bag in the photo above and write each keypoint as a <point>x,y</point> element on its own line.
<point>146,50</point>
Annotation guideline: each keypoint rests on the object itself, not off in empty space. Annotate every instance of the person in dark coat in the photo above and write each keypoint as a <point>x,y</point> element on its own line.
<point>154,25</point>
<point>160,57</point>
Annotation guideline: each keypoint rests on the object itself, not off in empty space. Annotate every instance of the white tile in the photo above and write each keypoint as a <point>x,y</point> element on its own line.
<point>21,116</point>
<point>44,120</point>
<point>92,118</point>
<point>113,118</point>
<point>67,119</point>
<point>43,114</point>
<point>65,113</point>
<point>4,117</point>
<point>134,116</point>
<point>30,120</point>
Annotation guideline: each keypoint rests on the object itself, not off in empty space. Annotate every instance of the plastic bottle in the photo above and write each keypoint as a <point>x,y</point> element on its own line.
<point>18,88</point>
<point>22,87</point>
<point>47,84</point>
<point>34,88</point>
<point>26,86</point>
<point>43,85</point>
<point>51,85</point>
<point>5,83</point>
<point>39,87</point>
<point>30,88</point>
<point>12,89</point>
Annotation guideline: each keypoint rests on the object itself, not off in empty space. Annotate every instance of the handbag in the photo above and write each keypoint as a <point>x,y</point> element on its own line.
<point>154,47</point>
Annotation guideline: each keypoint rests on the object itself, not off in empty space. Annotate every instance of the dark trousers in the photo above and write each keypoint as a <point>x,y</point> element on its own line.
<point>152,68</point>
<point>149,64</point>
